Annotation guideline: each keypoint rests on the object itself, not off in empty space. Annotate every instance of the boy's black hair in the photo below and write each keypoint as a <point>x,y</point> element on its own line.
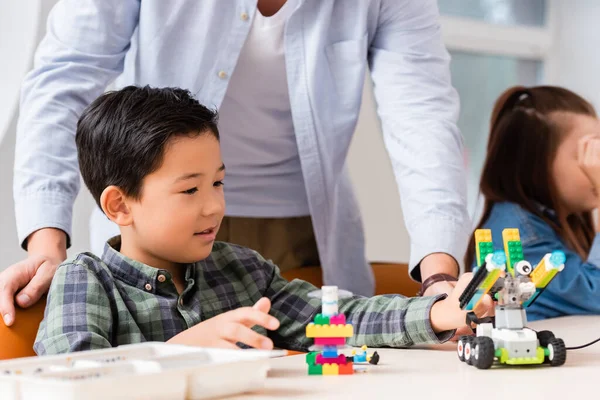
<point>121,136</point>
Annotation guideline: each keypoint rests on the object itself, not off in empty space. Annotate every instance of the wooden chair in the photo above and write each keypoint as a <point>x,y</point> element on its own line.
<point>17,341</point>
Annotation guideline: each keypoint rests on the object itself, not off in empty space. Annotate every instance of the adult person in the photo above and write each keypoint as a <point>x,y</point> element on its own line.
<point>287,78</point>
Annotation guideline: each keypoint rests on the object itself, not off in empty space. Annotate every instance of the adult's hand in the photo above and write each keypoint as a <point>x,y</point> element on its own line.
<point>31,277</point>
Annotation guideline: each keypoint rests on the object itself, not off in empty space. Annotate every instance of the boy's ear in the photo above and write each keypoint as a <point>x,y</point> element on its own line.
<point>114,204</point>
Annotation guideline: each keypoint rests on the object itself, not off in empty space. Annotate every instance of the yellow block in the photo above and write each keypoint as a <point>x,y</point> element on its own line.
<point>541,276</point>
<point>510,235</point>
<point>329,331</point>
<point>331,369</point>
<point>483,235</point>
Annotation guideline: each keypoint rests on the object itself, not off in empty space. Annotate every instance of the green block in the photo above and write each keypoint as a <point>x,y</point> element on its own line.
<point>485,248</point>
<point>311,357</point>
<point>315,370</point>
<point>320,319</point>
<point>515,251</point>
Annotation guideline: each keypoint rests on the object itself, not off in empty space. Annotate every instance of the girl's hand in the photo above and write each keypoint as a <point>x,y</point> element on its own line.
<point>588,156</point>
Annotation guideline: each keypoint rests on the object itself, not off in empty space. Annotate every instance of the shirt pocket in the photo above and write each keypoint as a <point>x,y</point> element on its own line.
<point>347,61</point>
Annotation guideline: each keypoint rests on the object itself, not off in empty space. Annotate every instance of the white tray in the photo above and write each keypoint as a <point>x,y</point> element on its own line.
<point>138,371</point>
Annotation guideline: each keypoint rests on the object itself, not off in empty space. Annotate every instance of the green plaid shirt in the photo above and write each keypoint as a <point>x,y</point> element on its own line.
<point>98,303</point>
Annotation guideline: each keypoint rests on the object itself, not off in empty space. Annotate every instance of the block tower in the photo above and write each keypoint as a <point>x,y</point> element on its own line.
<point>329,331</point>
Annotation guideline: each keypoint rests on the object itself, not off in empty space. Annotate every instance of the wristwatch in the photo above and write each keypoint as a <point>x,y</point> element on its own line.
<point>435,278</point>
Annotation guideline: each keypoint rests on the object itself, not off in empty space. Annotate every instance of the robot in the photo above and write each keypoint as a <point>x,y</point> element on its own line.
<point>514,285</point>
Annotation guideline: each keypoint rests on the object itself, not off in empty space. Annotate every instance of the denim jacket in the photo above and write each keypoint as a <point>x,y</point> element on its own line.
<point>576,289</point>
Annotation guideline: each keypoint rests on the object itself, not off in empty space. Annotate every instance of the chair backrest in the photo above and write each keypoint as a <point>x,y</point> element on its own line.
<point>17,341</point>
<point>389,278</point>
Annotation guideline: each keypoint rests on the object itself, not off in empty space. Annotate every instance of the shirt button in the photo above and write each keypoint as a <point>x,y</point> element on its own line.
<point>161,278</point>
<point>148,287</point>
<point>244,16</point>
<point>222,74</point>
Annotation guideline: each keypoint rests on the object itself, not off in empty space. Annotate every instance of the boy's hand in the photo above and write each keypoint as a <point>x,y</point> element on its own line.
<point>588,156</point>
<point>447,314</point>
<point>229,328</point>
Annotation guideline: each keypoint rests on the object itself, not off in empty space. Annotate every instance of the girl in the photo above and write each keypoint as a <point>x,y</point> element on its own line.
<point>542,176</point>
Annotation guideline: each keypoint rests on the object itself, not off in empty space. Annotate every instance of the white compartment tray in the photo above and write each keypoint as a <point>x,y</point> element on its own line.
<point>138,371</point>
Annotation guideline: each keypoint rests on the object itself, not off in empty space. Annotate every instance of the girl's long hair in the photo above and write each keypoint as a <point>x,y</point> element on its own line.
<point>526,128</point>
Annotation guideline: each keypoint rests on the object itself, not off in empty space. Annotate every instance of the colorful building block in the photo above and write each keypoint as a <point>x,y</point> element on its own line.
<point>314,369</point>
<point>513,249</point>
<point>339,319</point>
<point>331,369</point>
<point>483,245</point>
<point>340,359</point>
<point>346,369</point>
<point>320,319</point>
<point>329,331</point>
<point>545,271</point>
<point>483,235</point>
<point>330,351</point>
<point>311,357</point>
<point>330,341</point>
<point>486,276</point>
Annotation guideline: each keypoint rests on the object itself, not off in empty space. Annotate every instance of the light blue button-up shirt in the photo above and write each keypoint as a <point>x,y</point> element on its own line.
<point>328,44</point>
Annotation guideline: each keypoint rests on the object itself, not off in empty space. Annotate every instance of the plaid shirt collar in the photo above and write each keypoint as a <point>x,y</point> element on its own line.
<point>135,273</point>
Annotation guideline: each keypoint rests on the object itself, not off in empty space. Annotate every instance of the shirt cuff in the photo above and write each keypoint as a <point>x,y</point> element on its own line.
<point>43,209</point>
<point>437,235</point>
<point>594,256</point>
<point>417,323</point>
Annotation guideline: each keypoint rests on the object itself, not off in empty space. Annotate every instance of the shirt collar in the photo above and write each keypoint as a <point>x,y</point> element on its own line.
<point>136,273</point>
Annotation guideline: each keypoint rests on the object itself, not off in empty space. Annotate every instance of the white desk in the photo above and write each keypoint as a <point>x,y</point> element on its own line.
<point>438,374</point>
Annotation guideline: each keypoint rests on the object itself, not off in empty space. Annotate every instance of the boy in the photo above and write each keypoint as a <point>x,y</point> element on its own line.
<point>151,159</point>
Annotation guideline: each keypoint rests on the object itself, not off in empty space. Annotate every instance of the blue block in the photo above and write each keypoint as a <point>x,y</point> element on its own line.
<point>330,352</point>
<point>532,298</point>
<point>474,300</point>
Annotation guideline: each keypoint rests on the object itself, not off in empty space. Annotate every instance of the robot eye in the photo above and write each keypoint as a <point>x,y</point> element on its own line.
<point>523,268</point>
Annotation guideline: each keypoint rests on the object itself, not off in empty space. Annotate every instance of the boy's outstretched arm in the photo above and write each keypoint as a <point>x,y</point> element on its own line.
<point>389,320</point>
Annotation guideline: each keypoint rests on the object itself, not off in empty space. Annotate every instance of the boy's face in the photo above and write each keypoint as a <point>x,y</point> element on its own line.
<point>182,202</point>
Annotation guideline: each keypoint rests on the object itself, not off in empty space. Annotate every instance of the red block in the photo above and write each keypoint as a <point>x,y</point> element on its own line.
<point>320,360</point>
<point>339,319</point>
<point>330,341</point>
<point>346,369</point>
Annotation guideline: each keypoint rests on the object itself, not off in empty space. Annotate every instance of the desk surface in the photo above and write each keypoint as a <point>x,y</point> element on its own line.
<point>438,374</point>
